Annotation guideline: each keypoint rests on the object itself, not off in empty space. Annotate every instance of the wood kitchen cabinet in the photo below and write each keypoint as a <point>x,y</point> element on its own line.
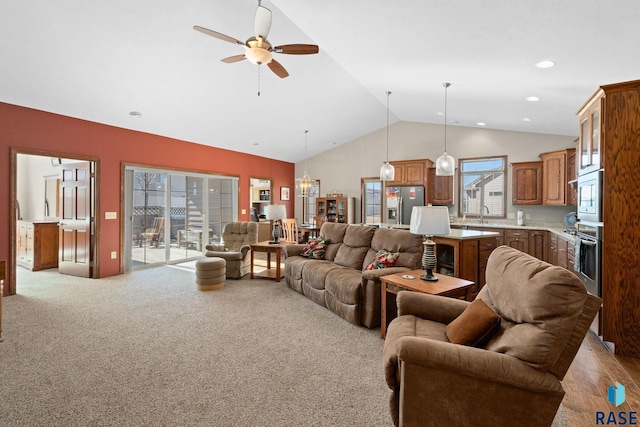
<point>526,183</point>
<point>556,167</point>
<point>609,141</point>
<point>37,245</point>
<point>553,249</point>
<point>517,238</point>
<point>539,244</point>
<point>410,172</point>
<point>590,147</point>
<point>440,189</point>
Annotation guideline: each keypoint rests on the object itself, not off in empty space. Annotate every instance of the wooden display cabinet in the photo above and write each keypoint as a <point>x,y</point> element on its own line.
<point>590,147</point>
<point>336,209</point>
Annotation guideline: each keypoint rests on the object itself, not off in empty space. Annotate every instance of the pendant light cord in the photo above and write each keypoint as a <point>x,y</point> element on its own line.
<point>388,93</point>
<point>446,86</point>
<point>306,132</point>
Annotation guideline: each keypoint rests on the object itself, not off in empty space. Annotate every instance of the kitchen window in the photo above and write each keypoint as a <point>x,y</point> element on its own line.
<point>482,187</point>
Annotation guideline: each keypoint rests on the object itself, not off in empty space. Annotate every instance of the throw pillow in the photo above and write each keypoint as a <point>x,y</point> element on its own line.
<point>474,326</point>
<point>383,259</point>
<point>315,248</point>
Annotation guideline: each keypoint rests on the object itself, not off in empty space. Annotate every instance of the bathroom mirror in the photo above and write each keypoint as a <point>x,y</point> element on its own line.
<point>51,196</point>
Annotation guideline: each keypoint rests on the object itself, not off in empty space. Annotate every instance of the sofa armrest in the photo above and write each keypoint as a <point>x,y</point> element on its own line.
<point>292,250</point>
<point>215,247</point>
<point>432,307</point>
<point>244,249</point>
<point>484,365</point>
<point>378,273</point>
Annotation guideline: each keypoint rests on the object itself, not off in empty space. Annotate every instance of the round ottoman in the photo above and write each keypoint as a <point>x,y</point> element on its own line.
<point>210,273</point>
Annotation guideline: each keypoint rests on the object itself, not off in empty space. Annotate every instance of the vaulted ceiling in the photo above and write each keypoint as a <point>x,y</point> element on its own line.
<point>100,61</point>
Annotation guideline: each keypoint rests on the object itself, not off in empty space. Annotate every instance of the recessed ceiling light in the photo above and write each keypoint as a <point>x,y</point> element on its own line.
<point>526,119</point>
<point>545,64</point>
<point>136,114</point>
<point>532,98</point>
<point>255,144</point>
<point>481,124</point>
<point>332,143</point>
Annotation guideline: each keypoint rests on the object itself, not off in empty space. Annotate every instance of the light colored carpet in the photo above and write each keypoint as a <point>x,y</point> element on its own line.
<point>147,349</point>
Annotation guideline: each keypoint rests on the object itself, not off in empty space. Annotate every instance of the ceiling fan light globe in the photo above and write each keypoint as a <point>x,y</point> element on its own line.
<point>258,55</point>
<point>445,165</point>
<point>387,172</point>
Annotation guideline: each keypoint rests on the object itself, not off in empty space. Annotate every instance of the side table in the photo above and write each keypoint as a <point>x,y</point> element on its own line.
<point>392,284</point>
<point>269,249</point>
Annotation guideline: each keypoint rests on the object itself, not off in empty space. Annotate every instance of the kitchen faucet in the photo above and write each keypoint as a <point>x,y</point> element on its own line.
<point>482,213</point>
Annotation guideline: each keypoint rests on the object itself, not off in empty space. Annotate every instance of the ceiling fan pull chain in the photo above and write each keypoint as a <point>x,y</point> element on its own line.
<point>258,80</point>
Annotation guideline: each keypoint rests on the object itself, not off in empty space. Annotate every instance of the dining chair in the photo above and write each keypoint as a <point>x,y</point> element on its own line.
<point>290,230</point>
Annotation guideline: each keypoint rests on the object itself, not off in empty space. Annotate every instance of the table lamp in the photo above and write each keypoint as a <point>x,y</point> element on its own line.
<point>275,213</point>
<point>429,221</point>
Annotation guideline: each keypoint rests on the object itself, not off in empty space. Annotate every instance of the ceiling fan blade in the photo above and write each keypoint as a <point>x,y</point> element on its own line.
<point>297,49</point>
<point>262,24</point>
<point>234,58</point>
<point>278,69</point>
<point>217,35</point>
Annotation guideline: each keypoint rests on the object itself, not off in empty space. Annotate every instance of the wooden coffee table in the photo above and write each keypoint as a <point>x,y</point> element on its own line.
<point>269,249</point>
<point>392,284</point>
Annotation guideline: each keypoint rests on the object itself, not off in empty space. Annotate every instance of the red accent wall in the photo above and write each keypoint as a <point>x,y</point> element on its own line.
<point>27,129</point>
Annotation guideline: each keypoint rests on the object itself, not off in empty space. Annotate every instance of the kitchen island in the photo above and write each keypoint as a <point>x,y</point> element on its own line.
<point>464,254</point>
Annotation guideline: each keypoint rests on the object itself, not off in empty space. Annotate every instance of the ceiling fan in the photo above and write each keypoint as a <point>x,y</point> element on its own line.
<point>258,49</point>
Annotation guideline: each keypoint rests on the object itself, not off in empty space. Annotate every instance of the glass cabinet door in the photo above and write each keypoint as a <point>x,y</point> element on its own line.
<point>585,141</point>
<point>595,138</point>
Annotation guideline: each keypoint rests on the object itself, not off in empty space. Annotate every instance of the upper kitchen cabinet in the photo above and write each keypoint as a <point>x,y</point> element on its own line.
<point>526,183</point>
<point>410,172</point>
<point>556,169</point>
<point>590,141</point>
<point>440,189</point>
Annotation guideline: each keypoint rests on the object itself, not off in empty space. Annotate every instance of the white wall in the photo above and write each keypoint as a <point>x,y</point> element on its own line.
<point>341,168</point>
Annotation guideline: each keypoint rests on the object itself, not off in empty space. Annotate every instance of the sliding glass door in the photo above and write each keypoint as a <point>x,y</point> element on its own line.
<point>174,215</point>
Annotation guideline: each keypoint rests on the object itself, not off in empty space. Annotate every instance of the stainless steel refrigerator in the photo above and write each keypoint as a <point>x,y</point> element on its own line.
<point>400,202</point>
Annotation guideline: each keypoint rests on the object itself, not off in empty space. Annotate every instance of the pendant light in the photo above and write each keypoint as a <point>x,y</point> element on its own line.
<point>305,184</point>
<point>445,163</point>
<point>387,171</point>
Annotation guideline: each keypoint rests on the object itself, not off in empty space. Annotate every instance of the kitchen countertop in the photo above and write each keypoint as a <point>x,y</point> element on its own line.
<point>469,234</point>
<point>553,228</point>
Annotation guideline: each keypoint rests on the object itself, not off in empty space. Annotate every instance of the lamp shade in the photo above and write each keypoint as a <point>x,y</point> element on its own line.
<point>430,220</point>
<point>275,212</point>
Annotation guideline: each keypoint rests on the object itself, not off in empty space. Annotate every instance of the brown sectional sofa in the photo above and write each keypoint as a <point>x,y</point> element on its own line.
<point>339,282</point>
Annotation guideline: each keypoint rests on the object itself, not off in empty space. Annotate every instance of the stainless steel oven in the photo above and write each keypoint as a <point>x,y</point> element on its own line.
<point>588,256</point>
<point>590,196</point>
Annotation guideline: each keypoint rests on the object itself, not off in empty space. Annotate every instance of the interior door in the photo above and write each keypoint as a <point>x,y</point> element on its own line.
<point>75,255</point>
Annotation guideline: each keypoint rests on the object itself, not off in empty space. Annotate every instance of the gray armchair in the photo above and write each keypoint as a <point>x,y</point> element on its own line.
<point>515,377</point>
<point>237,238</point>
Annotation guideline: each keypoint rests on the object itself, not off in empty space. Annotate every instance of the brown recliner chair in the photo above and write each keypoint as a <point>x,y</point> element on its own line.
<point>514,378</point>
<point>237,238</point>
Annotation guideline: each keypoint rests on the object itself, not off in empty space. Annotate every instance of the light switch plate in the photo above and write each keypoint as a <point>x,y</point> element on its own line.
<point>244,211</point>
<point>111,215</point>
<point>114,254</point>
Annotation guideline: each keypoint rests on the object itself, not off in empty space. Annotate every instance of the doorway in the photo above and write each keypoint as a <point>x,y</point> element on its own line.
<point>261,195</point>
<point>36,206</point>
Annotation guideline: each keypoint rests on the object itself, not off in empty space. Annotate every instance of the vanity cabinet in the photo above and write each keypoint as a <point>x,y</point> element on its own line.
<point>556,169</point>
<point>37,245</point>
<point>526,183</point>
<point>440,189</point>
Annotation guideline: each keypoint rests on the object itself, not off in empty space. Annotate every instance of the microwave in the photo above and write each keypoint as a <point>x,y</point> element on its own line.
<point>590,196</point>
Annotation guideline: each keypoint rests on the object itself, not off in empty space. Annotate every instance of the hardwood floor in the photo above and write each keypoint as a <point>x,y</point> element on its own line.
<point>593,370</point>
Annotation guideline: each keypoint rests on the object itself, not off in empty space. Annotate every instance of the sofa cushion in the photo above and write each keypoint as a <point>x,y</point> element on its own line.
<point>409,246</point>
<point>355,245</point>
<point>383,259</point>
<point>538,302</point>
<point>474,326</point>
<point>334,232</point>
<point>315,248</point>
